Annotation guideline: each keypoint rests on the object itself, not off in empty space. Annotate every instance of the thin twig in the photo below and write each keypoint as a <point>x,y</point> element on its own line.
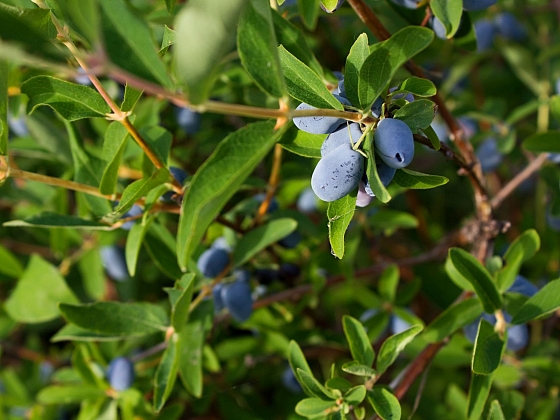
<point>517,180</point>
<point>273,181</point>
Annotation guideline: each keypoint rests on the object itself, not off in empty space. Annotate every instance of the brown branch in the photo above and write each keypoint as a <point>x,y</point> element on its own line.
<point>273,181</point>
<point>517,180</point>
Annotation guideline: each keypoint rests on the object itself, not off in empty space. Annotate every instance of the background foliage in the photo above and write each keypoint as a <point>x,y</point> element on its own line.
<point>411,307</point>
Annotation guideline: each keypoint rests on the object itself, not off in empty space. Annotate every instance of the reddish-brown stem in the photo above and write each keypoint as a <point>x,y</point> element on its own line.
<point>273,181</point>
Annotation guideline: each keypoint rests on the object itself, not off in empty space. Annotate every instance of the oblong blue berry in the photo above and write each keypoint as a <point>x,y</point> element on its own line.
<point>212,262</point>
<point>112,258</point>
<point>363,198</point>
<point>489,155</point>
<point>394,143</point>
<point>237,299</point>
<point>307,201</point>
<point>120,373</point>
<point>290,241</point>
<point>509,27</point>
<point>319,125</point>
<point>337,174</point>
<point>485,31</point>
<point>473,5</point>
<point>341,136</point>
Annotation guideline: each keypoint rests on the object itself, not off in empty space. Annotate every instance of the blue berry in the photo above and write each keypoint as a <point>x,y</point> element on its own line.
<point>438,28</point>
<point>518,335</point>
<point>114,262</point>
<point>509,27</point>
<point>217,295</point>
<point>394,143</point>
<point>290,382</point>
<point>181,176</point>
<point>17,126</point>
<point>290,241</point>
<point>307,201</point>
<point>523,286</point>
<point>288,271</point>
<point>266,275</point>
<point>272,205</point>
<point>376,107</point>
<point>363,199</point>
<point>188,120</point>
<point>120,373</point>
<point>212,262</point>
<point>236,297</point>
<point>342,135</point>
<point>489,155</point>
<point>385,173</point>
<point>408,96</point>
<point>135,210</point>
<point>409,4</point>
<point>473,5</point>
<point>485,31</point>
<point>319,125</point>
<point>398,325</point>
<point>337,174</point>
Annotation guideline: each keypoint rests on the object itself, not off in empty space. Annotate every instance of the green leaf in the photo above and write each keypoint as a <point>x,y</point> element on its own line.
<point>314,407</point>
<point>68,394</point>
<point>390,220</point>
<point>457,277</point>
<point>554,108</point>
<point>116,318</point>
<point>354,62</point>
<point>338,384</point>
<point>309,11</point>
<point>524,247</point>
<point>388,282</point>
<point>312,386</point>
<point>454,317</point>
<point>385,404</point>
<point>545,301</point>
<point>81,361</point>
<point>129,44</point>
<point>70,100</point>
<point>522,63</point>
<point>218,179</point>
<point>418,181</point>
<point>417,115</point>
<point>488,349</point>
<point>496,412</point>
<point>358,341</point>
<point>166,373</point>
<point>71,332</point>
<point>395,344</point>
<point>478,393</point>
<point>387,57</point>
<point>131,97</point>
<point>159,140</point>
<point>38,292</point>
<point>258,239</point>
<point>85,17</point>
<point>9,264</point>
<point>356,395</point>
<point>301,143</point>
<point>417,86</point>
<point>258,48</point>
<point>472,270</point>
<point>433,137</point>
<point>134,241</point>
<point>180,307</point>
<point>304,84</point>
<point>295,42</point>
<point>449,12</point>
<point>114,144</point>
<point>340,213</point>
<point>204,37</point>
<point>375,183</point>
<point>93,274</point>
<point>549,141</point>
<point>330,5</point>
<point>355,368</point>
<point>29,28</point>
<point>296,358</point>
<point>140,188</point>
<point>48,219</point>
<point>4,72</point>
<point>191,344</point>
<point>170,4</point>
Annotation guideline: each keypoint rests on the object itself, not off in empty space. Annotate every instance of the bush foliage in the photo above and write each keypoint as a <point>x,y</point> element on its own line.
<point>162,255</point>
